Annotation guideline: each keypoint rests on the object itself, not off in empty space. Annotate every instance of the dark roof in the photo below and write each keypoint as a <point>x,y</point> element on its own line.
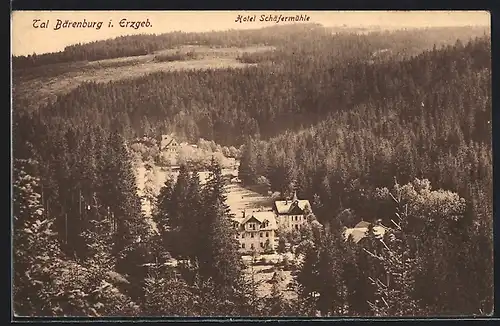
<point>287,206</point>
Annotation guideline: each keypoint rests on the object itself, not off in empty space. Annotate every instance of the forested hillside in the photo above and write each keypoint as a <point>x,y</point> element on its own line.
<point>297,86</point>
<point>427,118</point>
<point>361,124</point>
<point>135,45</point>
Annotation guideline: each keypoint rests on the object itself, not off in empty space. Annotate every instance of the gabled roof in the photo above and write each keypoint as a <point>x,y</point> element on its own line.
<point>262,216</point>
<point>288,206</point>
<point>166,140</point>
<point>259,217</point>
<point>249,218</point>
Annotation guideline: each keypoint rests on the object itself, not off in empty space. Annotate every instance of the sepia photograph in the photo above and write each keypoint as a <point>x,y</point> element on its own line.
<point>258,164</point>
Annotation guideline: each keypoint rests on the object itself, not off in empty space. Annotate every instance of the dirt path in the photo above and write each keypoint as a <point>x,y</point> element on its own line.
<point>238,197</point>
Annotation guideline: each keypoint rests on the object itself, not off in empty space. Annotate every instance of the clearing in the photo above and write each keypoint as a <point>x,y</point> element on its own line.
<point>38,85</point>
<point>239,198</point>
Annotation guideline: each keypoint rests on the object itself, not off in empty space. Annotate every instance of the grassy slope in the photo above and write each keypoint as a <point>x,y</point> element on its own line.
<point>36,86</point>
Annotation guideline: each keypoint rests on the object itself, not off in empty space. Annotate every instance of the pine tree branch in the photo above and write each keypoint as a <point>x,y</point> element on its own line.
<point>373,255</point>
<point>398,226</point>
<point>393,198</point>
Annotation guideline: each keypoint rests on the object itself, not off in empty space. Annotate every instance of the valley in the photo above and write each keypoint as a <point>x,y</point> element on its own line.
<point>356,165</point>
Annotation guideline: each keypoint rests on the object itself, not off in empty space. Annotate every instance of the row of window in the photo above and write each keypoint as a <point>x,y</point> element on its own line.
<point>252,235</point>
<point>262,245</point>
<point>292,218</point>
<point>296,218</point>
<point>252,226</point>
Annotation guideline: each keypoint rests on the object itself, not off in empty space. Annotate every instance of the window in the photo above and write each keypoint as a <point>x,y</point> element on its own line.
<point>243,245</point>
<point>251,246</point>
<point>262,245</point>
<point>242,235</point>
<point>261,234</point>
<point>267,234</point>
<point>296,227</point>
<point>251,235</point>
<point>296,218</point>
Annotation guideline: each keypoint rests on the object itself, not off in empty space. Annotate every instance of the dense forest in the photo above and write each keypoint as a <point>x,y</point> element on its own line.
<point>437,127</point>
<point>135,45</point>
<point>402,139</point>
<point>306,83</point>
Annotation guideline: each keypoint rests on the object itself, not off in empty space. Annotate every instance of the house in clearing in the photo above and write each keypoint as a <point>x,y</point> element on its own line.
<point>256,231</point>
<point>169,149</point>
<point>168,144</point>
<point>358,232</point>
<point>291,214</point>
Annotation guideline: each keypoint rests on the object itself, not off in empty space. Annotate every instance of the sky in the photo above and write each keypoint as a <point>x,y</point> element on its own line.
<point>26,39</point>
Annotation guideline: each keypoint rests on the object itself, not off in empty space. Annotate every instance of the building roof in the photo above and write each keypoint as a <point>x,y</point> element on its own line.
<point>238,219</point>
<point>358,233</point>
<point>287,206</point>
<point>260,217</point>
<point>355,234</point>
<point>362,224</point>
<point>166,140</point>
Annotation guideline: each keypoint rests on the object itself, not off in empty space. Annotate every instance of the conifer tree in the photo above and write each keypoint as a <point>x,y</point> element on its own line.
<point>277,304</point>
<point>180,214</point>
<point>131,229</point>
<point>163,207</point>
<point>35,244</point>
<point>248,163</point>
<point>194,225</point>
<point>332,296</point>
<point>167,295</point>
<point>307,281</point>
<point>220,262</point>
<point>396,293</point>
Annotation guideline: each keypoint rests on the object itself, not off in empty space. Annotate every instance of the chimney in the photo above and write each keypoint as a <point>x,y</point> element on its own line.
<point>243,213</point>
<point>294,196</point>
